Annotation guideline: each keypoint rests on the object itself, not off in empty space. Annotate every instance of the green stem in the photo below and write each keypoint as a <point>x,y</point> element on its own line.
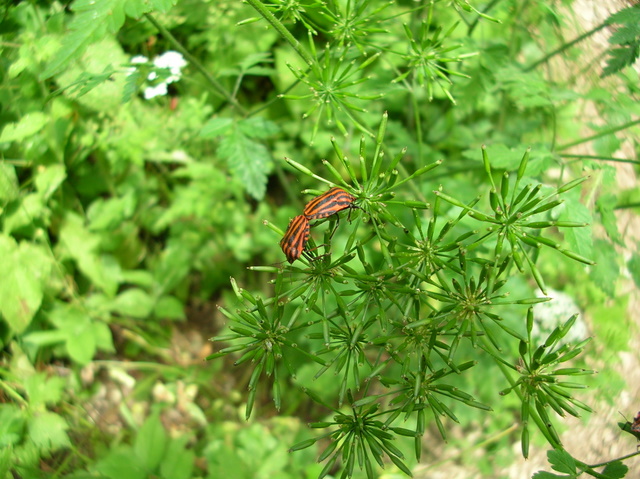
<point>566,46</point>
<point>418,124</point>
<point>626,206</point>
<point>606,132</point>
<point>178,46</point>
<point>487,346</point>
<point>473,25</point>
<point>604,158</point>
<point>12,393</point>
<point>280,28</point>
<point>623,458</point>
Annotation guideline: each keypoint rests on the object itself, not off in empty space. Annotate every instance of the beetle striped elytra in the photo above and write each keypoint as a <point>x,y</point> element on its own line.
<point>295,238</point>
<point>635,426</point>
<point>334,200</point>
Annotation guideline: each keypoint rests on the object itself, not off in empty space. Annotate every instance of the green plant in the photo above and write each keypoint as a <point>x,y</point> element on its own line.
<point>123,214</point>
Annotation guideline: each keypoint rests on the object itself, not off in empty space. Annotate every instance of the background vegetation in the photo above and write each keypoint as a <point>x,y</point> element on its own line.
<point>153,149</point>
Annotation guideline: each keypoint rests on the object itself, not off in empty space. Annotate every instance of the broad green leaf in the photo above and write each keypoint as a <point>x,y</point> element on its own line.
<point>9,189</point>
<point>606,271</point>
<point>108,214</point>
<point>500,156</point>
<point>122,463</point>
<point>169,307</point>
<point>91,21</point>
<point>548,475</point>
<point>83,246</point>
<point>634,268</point>
<point>48,179</point>
<point>29,125</point>
<point>135,303</point>
<point>48,431</point>
<point>216,127</point>
<point>151,443</point>
<point>25,271</point>
<point>78,328</point>
<point>95,80</point>
<point>138,277</point>
<point>615,469</point>
<point>249,161</point>
<point>23,215</point>
<point>103,336</point>
<point>580,240</point>
<point>177,462</point>
<point>82,345</point>
<point>162,5</point>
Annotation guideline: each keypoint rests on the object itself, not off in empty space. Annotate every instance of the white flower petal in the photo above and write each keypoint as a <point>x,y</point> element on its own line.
<point>154,91</point>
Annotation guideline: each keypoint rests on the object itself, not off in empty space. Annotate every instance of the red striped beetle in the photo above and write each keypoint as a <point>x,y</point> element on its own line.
<point>295,238</point>
<point>334,200</point>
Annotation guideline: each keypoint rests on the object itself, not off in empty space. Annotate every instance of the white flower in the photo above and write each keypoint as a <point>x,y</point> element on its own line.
<point>173,61</point>
<point>139,59</point>
<point>555,312</point>
<point>153,91</point>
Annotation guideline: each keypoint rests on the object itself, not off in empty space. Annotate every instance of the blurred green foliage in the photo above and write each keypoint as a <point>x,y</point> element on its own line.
<point>123,215</point>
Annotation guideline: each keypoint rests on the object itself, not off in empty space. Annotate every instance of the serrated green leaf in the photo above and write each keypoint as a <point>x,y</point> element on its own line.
<point>606,271</point>
<point>82,335</point>
<point>606,205</point>
<point>630,16</point>
<point>248,160</point>
<point>132,84</point>
<point>122,463</point>
<point>25,272</point>
<point>562,461</point>
<point>258,127</point>
<point>29,125</point>
<point>12,421</point>
<point>43,390</point>
<point>216,127</point>
<point>178,460</point>
<point>620,58</point>
<point>9,189</point>
<point>48,431</point>
<point>92,20</point>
